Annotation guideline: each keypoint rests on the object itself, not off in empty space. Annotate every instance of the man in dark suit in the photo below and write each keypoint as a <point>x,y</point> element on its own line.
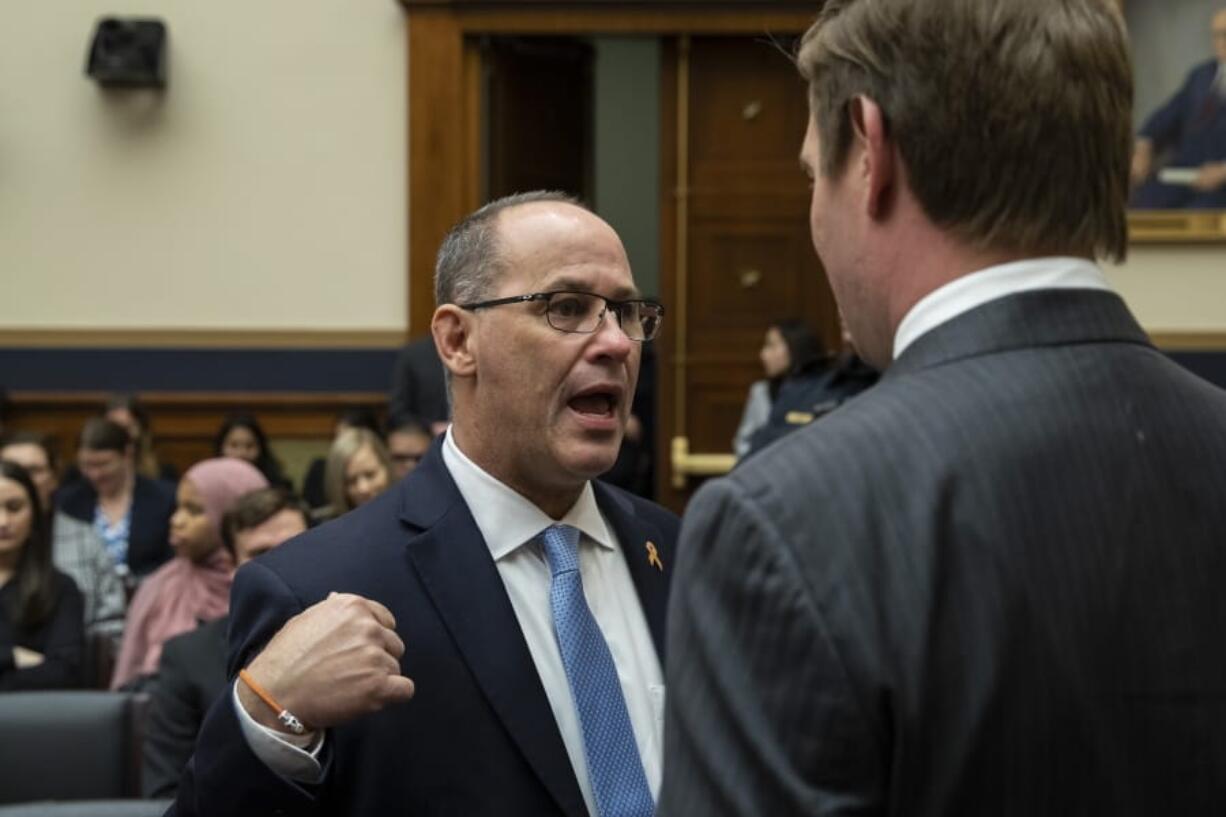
<point>419,387</point>
<point>485,637</point>
<point>192,670</point>
<point>1191,126</point>
<point>991,584</point>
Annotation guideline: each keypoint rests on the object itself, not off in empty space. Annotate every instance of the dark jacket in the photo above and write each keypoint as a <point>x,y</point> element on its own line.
<point>478,737</point>
<point>191,676</point>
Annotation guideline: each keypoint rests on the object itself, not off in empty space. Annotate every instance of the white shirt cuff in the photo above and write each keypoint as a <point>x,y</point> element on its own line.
<point>291,756</point>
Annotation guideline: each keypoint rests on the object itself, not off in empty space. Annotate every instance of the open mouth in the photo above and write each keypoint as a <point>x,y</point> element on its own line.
<point>596,404</point>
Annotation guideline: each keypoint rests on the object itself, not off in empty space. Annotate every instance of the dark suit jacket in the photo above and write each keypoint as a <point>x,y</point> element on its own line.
<point>478,738</point>
<point>419,386</point>
<point>153,502</point>
<point>990,585</point>
<point>191,675</point>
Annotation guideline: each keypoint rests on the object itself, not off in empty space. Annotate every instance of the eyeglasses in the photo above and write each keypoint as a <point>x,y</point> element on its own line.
<point>582,312</point>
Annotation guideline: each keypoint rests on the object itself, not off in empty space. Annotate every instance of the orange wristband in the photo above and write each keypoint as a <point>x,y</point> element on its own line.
<point>284,715</point>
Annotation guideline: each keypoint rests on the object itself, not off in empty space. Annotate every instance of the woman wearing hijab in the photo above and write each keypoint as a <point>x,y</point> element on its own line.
<point>194,586</point>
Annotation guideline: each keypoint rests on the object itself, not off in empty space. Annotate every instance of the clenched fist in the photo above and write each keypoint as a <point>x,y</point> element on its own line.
<point>335,660</point>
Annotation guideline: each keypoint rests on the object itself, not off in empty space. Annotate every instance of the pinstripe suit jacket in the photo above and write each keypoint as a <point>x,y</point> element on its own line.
<point>995,584</point>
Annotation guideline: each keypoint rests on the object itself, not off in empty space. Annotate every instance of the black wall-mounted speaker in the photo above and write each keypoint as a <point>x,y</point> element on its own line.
<point>128,53</point>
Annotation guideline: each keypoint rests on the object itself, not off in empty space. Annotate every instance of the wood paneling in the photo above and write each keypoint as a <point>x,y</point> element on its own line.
<point>184,424</point>
<point>539,127</point>
<point>750,259</point>
<point>439,140</point>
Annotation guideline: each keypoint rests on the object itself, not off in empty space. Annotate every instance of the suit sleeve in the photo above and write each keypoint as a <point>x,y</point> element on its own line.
<point>224,776</point>
<point>1164,126</point>
<point>761,716</point>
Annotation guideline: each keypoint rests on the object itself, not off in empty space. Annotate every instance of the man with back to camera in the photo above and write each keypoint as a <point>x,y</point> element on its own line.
<point>991,584</point>
<point>1191,125</point>
<point>515,600</point>
<point>192,670</point>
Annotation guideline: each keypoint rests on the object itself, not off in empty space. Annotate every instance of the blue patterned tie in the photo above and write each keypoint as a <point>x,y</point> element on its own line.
<point>614,767</point>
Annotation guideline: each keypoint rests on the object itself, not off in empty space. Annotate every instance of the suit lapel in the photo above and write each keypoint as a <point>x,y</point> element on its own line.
<point>456,567</point>
<point>647,555</point>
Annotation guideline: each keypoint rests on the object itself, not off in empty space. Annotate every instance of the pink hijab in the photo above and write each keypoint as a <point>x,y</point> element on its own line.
<point>182,593</point>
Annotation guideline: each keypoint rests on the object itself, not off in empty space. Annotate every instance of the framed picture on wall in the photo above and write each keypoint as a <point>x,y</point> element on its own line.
<point>1179,119</point>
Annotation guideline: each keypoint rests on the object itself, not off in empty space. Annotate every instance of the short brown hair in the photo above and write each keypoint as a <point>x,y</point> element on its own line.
<point>469,258</point>
<point>1013,118</point>
<point>254,509</point>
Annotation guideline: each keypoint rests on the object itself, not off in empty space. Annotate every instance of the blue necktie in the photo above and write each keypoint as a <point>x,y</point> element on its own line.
<point>614,767</point>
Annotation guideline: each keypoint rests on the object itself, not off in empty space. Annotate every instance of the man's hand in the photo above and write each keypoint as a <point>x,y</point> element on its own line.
<point>1212,176</point>
<point>330,663</point>
<point>1142,161</point>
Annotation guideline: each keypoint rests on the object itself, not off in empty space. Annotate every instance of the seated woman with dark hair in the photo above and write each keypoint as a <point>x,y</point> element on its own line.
<point>129,511</point>
<point>789,349</point>
<point>241,436</point>
<point>76,547</point>
<point>42,631</point>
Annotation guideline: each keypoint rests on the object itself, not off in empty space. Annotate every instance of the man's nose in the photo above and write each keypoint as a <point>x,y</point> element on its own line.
<point>610,337</point>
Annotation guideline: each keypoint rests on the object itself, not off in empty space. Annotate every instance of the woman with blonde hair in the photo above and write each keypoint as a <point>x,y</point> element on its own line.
<point>358,469</point>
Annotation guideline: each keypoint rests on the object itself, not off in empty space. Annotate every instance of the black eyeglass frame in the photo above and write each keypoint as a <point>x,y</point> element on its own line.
<point>609,304</point>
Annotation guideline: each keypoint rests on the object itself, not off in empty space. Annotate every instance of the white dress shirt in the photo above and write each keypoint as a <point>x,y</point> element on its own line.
<point>964,294</point>
<point>509,524</point>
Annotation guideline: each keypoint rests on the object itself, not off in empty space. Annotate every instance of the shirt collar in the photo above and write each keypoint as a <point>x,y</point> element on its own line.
<point>969,291</point>
<point>507,520</point>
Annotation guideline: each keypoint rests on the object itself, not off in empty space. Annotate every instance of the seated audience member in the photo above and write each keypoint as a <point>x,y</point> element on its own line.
<point>242,436</point>
<point>195,585</point>
<point>813,393</point>
<point>789,349</point>
<point>127,411</point>
<point>41,631</point>
<point>131,513</point>
<point>192,670</point>
<point>358,470</point>
<point>313,491</point>
<point>76,548</point>
<point>408,439</point>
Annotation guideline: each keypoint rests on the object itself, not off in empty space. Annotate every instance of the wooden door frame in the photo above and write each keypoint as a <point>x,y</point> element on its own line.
<point>445,137</point>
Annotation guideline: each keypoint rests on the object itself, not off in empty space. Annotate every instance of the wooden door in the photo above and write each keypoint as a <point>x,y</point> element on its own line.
<point>740,258</point>
<point>538,117</point>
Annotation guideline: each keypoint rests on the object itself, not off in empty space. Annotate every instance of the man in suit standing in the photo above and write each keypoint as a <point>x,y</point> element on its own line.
<point>1192,127</point>
<point>192,670</point>
<point>419,386</point>
<point>484,638</point>
<point>991,584</point>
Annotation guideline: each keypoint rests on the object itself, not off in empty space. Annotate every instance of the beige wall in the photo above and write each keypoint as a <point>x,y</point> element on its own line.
<point>267,188</point>
<point>272,172</point>
<point>1175,289</point>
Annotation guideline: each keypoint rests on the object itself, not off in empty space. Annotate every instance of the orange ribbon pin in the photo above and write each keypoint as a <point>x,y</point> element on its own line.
<point>653,555</point>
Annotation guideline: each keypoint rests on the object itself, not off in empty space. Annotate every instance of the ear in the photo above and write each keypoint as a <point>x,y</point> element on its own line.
<point>876,159</point>
<point>454,340</point>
